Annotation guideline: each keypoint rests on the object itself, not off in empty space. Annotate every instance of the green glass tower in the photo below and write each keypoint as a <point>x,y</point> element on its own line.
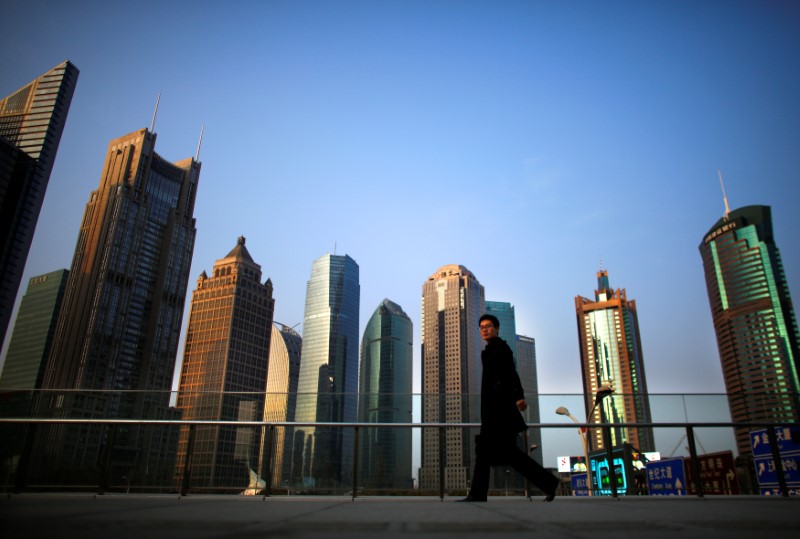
<point>33,331</point>
<point>385,397</point>
<point>327,387</point>
<point>754,319</point>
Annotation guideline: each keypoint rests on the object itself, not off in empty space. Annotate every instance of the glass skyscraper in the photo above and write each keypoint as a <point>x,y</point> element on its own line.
<point>26,358</point>
<point>505,314</point>
<point>32,120</point>
<point>754,319</point>
<point>611,354</point>
<point>328,384</point>
<point>33,331</point>
<point>118,329</point>
<point>280,403</point>
<point>452,303</point>
<point>385,397</point>
<point>526,367</point>
<point>224,370</point>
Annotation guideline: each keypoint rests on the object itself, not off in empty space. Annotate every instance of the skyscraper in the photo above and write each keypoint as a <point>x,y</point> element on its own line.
<point>452,302</point>
<point>754,319</point>
<point>224,370</point>
<point>526,367</point>
<point>33,331</point>
<point>385,397</point>
<point>25,361</point>
<point>280,403</point>
<point>32,120</point>
<point>118,329</point>
<point>506,315</point>
<point>611,354</point>
<point>328,384</point>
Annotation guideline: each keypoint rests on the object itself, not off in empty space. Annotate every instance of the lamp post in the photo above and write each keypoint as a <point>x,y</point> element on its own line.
<point>602,392</point>
<point>582,432</point>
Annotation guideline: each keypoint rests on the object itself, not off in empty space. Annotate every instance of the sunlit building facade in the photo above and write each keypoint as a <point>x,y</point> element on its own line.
<point>279,405</point>
<point>327,389</point>
<point>754,319</point>
<point>224,371</point>
<point>32,120</point>
<point>120,321</point>
<point>611,354</point>
<point>385,397</point>
<point>452,303</point>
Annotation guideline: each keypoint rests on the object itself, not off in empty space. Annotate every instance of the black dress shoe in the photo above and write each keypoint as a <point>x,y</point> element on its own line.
<point>550,497</point>
<point>471,499</point>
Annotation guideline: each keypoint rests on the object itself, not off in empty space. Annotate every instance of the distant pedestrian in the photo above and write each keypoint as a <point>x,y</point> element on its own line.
<point>502,400</point>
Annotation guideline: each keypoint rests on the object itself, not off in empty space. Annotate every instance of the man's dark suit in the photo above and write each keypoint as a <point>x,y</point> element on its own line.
<point>501,422</point>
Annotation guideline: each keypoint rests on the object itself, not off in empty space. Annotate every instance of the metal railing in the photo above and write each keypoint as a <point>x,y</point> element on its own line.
<point>109,432</point>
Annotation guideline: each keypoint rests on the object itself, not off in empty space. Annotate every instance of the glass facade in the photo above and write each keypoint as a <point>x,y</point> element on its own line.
<point>526,367</point>
<point>32,120</point>
<point>280,403</point>
<point>384,397</point>
<point>754,319</point>
<point>33,331</point>
<point>328,383</point>
<point>452,303</point>
<point>611,354</point>
<point>505,314</point>
<point>224,370</point>
<point>121,315</point>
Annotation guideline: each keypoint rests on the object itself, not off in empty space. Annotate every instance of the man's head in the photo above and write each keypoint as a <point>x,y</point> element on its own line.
<point>489,325</point>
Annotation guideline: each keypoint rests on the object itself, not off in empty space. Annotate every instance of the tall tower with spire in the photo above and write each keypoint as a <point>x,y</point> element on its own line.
<point>754,319</point>
<point>224,371</point>
<point>611,354</point>
<point>118,329</point>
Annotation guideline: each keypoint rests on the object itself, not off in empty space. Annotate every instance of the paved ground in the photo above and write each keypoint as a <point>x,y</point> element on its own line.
<point>196,517</point>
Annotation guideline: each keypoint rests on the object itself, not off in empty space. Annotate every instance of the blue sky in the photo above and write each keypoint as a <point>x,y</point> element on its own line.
<point>527,141</point>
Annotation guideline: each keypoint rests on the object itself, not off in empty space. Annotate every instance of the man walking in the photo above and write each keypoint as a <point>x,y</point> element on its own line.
<point>502,400</point>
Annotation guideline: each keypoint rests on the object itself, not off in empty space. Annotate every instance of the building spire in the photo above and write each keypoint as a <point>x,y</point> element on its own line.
<point>724,196</point>
<point>199,142</point>
<point>153,123</point>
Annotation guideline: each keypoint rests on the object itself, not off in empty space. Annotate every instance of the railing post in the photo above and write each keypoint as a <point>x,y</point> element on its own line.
<point>442,462</point>
<point>695,465</point>
<point>776,459</point>
<point>268,449</point>
<point>528,452</point>
<point>355,462</point>
<point>109,449</point>
<point>187,468</point>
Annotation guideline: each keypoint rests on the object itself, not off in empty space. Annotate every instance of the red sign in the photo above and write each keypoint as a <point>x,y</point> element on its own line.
<point>717,473</point>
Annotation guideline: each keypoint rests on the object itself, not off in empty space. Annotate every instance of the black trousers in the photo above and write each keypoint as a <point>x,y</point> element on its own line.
<point>501,450</point>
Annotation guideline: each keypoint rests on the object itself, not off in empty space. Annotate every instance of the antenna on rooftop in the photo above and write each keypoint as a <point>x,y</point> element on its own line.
<point>724,196</point>
<point>199,142</point>
<point>153,123</point>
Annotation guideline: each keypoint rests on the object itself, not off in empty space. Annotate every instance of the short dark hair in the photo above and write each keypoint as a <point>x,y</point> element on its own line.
<point>491,318</point>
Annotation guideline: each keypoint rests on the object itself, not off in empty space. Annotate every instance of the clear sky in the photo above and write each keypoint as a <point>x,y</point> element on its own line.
<point>525,140</point>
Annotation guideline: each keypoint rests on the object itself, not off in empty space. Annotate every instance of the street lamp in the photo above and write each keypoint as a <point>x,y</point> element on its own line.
<point>602,392</point>
<point>582,432</point>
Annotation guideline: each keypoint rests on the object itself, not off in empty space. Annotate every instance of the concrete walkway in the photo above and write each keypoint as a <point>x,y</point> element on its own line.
<point>195,517</point>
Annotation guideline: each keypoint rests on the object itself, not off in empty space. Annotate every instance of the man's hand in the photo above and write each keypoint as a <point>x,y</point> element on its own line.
<point>522,405</point>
